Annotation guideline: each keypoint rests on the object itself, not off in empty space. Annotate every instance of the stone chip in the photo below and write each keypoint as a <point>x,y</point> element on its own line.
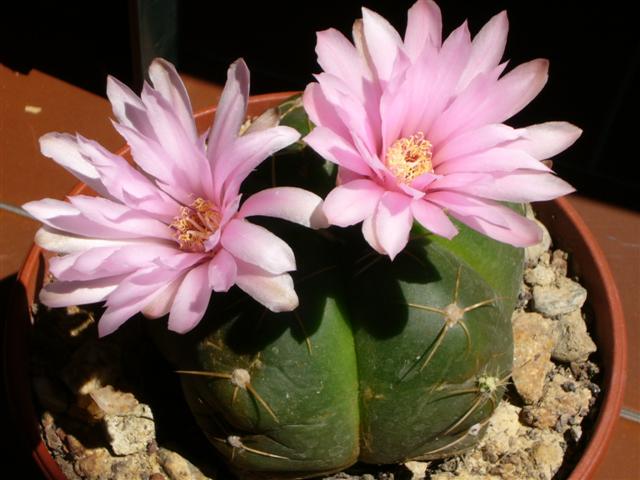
<point>559,299</point>
<point>534,339</point>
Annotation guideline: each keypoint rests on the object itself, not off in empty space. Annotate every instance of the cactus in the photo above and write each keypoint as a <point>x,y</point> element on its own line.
<point>383,361</point>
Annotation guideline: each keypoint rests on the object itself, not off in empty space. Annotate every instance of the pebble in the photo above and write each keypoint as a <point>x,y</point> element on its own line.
<point>534,339</point>
<point>54,442</point>
<point>114,402</point>
<point>574,343</point>
<point>576,432</point>
<point>96,465</point>
<point>418,469</point>
<point>584,371</point>
<point>548,457</point>
<point>130,433</point>
<point>558,299</point>
<point>559,263</point>
<point>540,275</point>
<point>510,451</point>
<point>74,446</point>
<point>178,468</point>
<point>558,408</point>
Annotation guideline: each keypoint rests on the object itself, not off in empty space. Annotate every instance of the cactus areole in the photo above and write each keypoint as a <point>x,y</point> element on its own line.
<point>383,361</point>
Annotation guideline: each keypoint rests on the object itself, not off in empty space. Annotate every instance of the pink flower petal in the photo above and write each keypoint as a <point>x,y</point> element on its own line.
<point>337,56</point>
<point>474,141</point>
<point>151,158</point>
<point>369,234</point>
<point>128,108</point>
<point>370,158</point>
<point>322,112</point>
<point>495,160</point>
<point>487,48</point>
<point>459,181</point>
<point>337,150</point>
<point>64,294</point>
<point>62,242</point>
<point>191,300</point>
<point>432,79</point>
<point>161,304</point>
<point>518,230</point>
<point>258,246</point>
<point>142,285</point>
<point>275,292</point>
<point>546,140</point>
<point>522,187</point>
<point>108,261</point>
<point>63,149</point>
<point>359,121</point>
<point>352,202</point>
<point>395,105</point>
<point>467,110</point>
<point>424,24</point>
<point>515,90</point>
<point>168,83</point>
<point>222,271</point>
<point>133,294</point>
<point>177,144</point>
<point>114,317</point>
<point>465,205</point>
<point>423,181</point>
<point>383,43</point>
<point>63,216</point>
<point>408,190</point>
<point>289,203</point>
<point>433,218</point>
<point>246,153</point>
<point>116,216</point>
<point>392,222</point>
<point>357,33</point>
<point>230,112</point>
<point>127,184</point>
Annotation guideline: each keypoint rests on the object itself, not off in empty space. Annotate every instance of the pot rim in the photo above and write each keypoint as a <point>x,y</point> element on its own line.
<point>615,373</point>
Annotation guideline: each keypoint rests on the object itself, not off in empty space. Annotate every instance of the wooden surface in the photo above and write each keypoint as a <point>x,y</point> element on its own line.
<point>34,104</point>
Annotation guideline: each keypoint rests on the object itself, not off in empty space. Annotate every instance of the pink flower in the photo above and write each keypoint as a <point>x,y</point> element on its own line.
<point>160,238</point>
<point>416,127</point>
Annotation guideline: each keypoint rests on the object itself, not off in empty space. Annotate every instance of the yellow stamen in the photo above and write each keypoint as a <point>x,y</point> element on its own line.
<point>410,157</point>
<point>195,224</point>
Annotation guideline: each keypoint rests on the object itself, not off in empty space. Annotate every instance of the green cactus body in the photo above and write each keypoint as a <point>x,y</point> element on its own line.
<point>383,361</point>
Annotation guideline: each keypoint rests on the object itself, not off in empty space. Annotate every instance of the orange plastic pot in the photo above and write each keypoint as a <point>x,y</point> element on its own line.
<point>565,225</point>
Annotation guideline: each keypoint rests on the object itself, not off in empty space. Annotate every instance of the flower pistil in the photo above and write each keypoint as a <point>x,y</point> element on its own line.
<point>195,224</point>
<point>410,157</point>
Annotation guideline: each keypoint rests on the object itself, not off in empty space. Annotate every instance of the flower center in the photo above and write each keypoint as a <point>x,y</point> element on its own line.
<point>410,157</point>
<point>195,224</point>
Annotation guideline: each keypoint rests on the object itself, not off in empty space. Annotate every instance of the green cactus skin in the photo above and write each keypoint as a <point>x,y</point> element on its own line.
<point>383,362</point>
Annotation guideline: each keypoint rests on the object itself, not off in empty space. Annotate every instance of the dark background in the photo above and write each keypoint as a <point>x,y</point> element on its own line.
<point>594,49</point>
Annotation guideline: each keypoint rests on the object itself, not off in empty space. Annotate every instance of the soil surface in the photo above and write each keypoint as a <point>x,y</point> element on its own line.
<point>112,408</point>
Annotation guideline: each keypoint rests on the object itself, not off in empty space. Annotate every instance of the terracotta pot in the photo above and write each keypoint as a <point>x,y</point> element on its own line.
<point>565,225</point>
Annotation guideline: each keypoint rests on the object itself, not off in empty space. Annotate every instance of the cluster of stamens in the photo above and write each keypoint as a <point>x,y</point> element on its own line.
<point>410,157</point>
<point>195,224</point>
